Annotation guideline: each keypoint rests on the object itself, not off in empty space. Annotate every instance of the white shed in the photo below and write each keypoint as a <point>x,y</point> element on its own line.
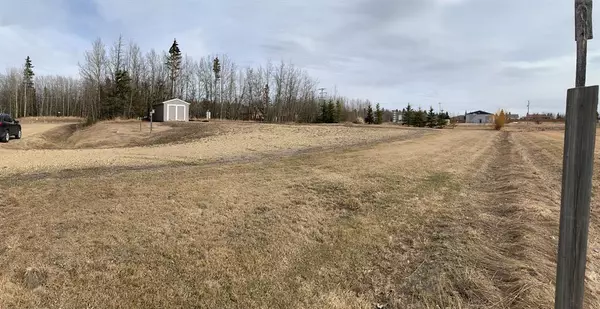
<point>172,110</point>
<point>479,117</point>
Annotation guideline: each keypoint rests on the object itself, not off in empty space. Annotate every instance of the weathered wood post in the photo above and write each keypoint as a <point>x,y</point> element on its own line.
<point>578,163</point>
<point>151,116</point>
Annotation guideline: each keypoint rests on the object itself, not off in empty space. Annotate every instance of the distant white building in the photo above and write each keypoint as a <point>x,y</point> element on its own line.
<point>397,116</point>
<point>479,117</point>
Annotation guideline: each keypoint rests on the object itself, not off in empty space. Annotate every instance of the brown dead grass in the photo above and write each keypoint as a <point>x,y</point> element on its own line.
<point>456,219</point>
<point>48,119</point>
<point>186,143</point>
<point>524,126</point>
<point>545,152</point>
<point>121,134</point>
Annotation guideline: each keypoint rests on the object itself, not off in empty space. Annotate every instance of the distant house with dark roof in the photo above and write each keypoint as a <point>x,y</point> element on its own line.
<point>458,119</point>
<point>479,117</point>
<point>539,117</point>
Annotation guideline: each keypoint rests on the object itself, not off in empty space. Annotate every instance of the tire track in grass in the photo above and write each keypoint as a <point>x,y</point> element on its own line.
<point>514,242</point>
<point>545,153</point>
<point>160,163</point>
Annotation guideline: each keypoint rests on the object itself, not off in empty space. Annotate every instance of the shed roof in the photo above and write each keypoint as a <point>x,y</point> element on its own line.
<point>173,101</point>
<point>479,113</point>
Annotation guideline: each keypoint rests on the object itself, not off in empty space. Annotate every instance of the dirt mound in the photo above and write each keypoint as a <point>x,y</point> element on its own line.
<point>119,134</point>
<point>48,119</point>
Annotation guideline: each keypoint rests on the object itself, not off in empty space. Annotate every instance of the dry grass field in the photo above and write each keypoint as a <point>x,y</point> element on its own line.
<point>240,215</point>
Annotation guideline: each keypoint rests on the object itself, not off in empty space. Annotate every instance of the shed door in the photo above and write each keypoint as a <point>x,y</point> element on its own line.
<point>172,113</point>
<point>181,113</point>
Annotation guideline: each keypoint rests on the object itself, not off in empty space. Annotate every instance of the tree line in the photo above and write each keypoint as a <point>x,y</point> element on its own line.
<point>422,118</point>
<point>119,80</point>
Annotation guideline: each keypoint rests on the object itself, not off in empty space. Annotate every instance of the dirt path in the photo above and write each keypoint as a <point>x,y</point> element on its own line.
<point>32,135</point>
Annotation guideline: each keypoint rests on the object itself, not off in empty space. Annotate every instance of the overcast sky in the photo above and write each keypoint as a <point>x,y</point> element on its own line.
<point>466,54</point>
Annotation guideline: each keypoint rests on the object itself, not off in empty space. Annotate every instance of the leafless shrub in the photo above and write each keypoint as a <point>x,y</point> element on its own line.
<point>34,277</point>
<point>359,121</point>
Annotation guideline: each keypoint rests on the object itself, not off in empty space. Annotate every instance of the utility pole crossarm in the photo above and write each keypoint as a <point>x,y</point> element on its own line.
<point>583,20</point>
<point>583,32</point>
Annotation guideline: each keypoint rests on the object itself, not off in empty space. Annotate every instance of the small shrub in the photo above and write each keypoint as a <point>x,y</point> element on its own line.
<point>350,204</point>
<point>89,121</point>
<point>499,120</point>
<point>359,121</point>
<point>34,277</point>
<point>453,124</point>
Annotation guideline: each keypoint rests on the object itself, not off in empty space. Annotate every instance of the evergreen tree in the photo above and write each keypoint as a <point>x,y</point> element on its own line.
<point>323,115</point>
<point>118,95</point>
<point>339,111</point>
<point>174,64</point>
<point>420,118</point>
<point>217,72</point>
<point>330,112</point>
<point>408,116</point>
<point>122,84</point>
<point>431,118</point>
<point>402,116</point>
<point>369,119</point>
<point>378,114</point>
<point>217,68</point>
<point>27,85</point>
<point>441,120</point>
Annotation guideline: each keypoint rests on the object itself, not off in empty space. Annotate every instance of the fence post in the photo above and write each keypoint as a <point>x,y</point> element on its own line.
<point>578,163</point>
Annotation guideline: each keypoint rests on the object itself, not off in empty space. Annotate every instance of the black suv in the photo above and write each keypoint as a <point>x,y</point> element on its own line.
<point>9,127</point>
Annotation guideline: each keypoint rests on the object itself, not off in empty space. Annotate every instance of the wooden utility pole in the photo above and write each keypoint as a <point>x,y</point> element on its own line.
<point>220,90</point>
<point>527,119</point>
<point>16,114</point>
<point>25,98</point>
<point>578,163</point>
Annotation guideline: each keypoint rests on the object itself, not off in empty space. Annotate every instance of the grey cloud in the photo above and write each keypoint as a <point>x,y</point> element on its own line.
<point>40,13</point>
<point>285,46</point>
<point>368,15</point>
<point>519,73</point>
<point>358,33</point>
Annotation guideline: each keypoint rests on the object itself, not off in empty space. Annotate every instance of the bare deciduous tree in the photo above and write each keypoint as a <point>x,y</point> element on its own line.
<point>291,95</point>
